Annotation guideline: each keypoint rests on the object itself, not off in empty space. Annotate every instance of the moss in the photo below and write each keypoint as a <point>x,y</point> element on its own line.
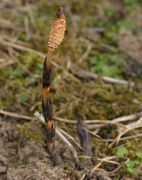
<point>31,131</point>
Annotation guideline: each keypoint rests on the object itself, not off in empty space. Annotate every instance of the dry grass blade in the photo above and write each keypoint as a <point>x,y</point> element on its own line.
<point>65,120</point>
<point>109,161</point>
<point>70,137</point>
<point>129,127</point>
<point>106,159</point>
<point>73,150</point>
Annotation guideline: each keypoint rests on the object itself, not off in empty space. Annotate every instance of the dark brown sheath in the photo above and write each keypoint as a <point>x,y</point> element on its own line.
<point>47,105</point>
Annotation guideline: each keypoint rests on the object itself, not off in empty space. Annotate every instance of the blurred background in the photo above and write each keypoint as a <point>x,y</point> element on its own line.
<point>103,37</point>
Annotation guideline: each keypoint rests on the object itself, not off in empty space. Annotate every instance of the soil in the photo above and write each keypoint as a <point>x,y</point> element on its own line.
<point>23,159</point>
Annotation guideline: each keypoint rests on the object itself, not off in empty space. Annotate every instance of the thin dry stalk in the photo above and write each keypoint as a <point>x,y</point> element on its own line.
<point>15,115</point>
<point>129,127</point>
<point>101,123</point>
<point>23,48</point>
<point>86,74</point>
<point>73,150</point>
<point>20,47</point>
<point>128,118</point>
<point>106,159</point>
<point>121,139</point>
<point>19,116</point>
<point>70,137</point>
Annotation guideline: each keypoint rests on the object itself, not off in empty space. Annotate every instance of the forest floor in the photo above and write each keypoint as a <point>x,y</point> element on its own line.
<point>103,38</point>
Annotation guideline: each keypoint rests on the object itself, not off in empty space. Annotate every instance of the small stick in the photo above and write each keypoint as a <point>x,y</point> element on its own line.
<point>106,159</point>
<point>120,119</point>
<point>129,127</point>
<point>70,137</point>
<point>73,150</point>
<point>86,74</point>
<point>23,48</point>
<point>15,115</point>
<point>128,118</point>
<point>123,138</point>
<point>20,47</point>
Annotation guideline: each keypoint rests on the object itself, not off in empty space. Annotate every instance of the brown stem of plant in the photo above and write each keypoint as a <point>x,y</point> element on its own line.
<point>55,38</point>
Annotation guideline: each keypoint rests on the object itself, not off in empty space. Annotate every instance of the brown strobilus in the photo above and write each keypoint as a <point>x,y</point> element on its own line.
<point>56,36</point>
